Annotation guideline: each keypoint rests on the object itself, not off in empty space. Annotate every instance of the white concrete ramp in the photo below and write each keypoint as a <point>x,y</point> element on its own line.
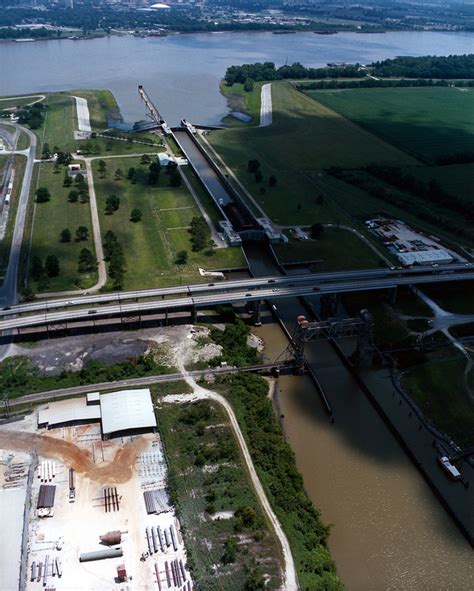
<point>266,115</point>
<point>83,118</point>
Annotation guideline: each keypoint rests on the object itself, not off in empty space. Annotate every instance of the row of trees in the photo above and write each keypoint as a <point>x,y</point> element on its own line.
<point>267,71</point>
<point>254,167</point>
<point>113,255</point>
<point>381,83</point>
<point>429,66</point>
<point>33,116</point>
<point>421,208</point>
<point>82,234</point>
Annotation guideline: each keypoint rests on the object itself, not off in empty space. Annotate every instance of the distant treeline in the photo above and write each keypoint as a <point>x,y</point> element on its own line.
<point>43,33</point>
<point>429,66</point>
<point>381,83</point>
<point>429,194</point>
<point>296,71</point>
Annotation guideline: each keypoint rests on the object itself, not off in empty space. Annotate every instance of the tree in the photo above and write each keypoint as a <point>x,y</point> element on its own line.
<point>118,174</point>
<point>51,266</point>
<point>131,173</point>
<point>135,216</point>
<point>230,550</point>
<point>182,257</point>
<point>63,157</point>
<point>87,261</point>
<point>200,233</point>
<point>82,233</point>
<point>317,230</point>
<point>253,165</point>
<point>259,176</point>
<point>42,195</point>
<point>67,180</point>
<point>108,145</point>
<point>112,203</point>
<point>175,178</point>
<point>145,159</point>
<point>46,153</point>
<point>79,179</point>
<point>37,268</point>
<point>272,181</point>
<point>65,235</point>
<point>154,172</point>
<point>73,196</point>
<point>248,85</point>
<point>102,168</point>
<point>171,166</point>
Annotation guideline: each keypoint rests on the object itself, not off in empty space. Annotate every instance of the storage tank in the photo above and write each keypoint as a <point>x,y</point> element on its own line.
<point>112,537</point>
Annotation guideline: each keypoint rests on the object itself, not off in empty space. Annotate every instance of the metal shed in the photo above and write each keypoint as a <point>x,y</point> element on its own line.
<point>127,410</point>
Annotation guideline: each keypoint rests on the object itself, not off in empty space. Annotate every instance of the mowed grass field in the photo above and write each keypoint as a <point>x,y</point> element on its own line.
<point>243,102</point>
<point>151,245</point>
<point>49,220</point>
<point>305,137</point>
<point>336,250</point>
<point>426,122</point>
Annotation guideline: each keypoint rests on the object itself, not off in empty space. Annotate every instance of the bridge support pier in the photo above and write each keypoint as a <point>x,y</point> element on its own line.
<point>392,296</point>
<point>257,314</point>
<point>194,315</point>
<point>330,304</point>
<point>365,349</point>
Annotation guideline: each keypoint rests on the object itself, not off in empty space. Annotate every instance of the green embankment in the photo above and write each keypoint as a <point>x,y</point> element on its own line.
<point>208,479</point>
<point>49,220</point>
<point>151,245</point>
<point>242,101</point>
<point>304,138</point>
<point>274,461</point>
<point>456,179</point>
<point>426,122</point>
<point>11,103</point>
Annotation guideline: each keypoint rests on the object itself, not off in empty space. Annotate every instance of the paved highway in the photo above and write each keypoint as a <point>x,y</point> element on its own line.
<point>8,292</point>
<point>313,279</point>
<point>244,294</point>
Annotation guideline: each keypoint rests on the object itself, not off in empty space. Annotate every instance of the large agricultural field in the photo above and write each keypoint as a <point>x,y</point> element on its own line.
<point>425,122</point>
<point>151,246</point>
<point>305,137</point>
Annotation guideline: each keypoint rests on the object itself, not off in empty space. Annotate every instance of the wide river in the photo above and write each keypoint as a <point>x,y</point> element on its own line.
<point>182,72</point>
<point>390,532</point>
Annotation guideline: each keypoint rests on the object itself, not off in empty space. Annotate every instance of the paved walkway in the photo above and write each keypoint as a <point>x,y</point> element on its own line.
<point>266,114</point>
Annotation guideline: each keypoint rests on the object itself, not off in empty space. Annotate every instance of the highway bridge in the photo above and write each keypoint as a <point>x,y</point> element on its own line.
<point>202,296</point>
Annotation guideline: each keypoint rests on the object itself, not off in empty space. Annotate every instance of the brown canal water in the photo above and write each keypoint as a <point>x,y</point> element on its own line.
<point>389,531</point>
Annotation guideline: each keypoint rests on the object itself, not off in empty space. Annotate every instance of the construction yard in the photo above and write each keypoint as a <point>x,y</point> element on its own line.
<point>82,488</point>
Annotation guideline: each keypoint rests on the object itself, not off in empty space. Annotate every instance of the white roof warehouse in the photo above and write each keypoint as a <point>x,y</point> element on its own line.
<point>126,410</point>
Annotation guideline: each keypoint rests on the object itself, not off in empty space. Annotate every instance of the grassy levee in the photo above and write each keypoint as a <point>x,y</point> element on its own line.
<point>49,220</point>
<point>425,122</point>
<point>102,107</point>
<point>304,138</point>
<point>336,250</point>
<point>274,462</point>
<point>61,121</point>
<point>5,244</point>
<point>448,407</point>
<point>244,102</point>
<point>207,478</point>
<point>151,245</point>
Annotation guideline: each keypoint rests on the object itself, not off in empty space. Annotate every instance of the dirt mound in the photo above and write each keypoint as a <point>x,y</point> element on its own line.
<point>115,472</point>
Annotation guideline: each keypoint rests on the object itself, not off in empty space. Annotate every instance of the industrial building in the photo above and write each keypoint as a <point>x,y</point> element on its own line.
<point>122,412</point>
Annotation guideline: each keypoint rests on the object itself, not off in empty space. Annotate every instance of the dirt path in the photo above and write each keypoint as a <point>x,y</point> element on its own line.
<point>290,582</point>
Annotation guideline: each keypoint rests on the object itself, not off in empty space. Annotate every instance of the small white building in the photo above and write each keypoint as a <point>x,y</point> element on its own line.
<point>424,257</point>
<point>164,159</point>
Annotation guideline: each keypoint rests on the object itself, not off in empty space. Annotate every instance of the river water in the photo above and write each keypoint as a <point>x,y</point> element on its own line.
<point>182,72</point>
<point>390,532</point>
<point>389,529</point>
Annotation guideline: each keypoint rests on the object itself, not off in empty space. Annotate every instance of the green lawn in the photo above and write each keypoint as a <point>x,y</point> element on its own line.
<point>243,102</point>
<point>449,408</point>
<point>336,250</point>
<point>426,122</point>
<point>304,138</point>
<point>49,220</point>
<point>61,121</point>
<point>102,107</point>
<point>23,141</point>
<point>101,146</point>
<point>19,165</point>
<point>151,245</point>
